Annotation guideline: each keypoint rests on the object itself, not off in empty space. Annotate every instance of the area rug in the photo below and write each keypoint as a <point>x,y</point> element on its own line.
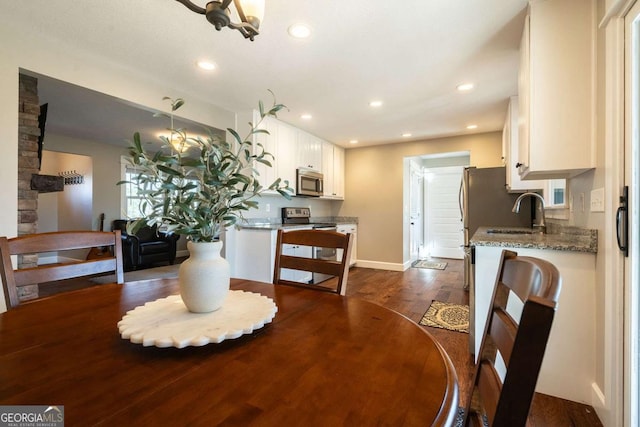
<point>166,271</point>
<point>423,263</point>
<point>444,315</point>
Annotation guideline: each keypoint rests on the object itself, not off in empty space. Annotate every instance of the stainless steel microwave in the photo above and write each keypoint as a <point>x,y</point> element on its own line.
<point>309,183</point>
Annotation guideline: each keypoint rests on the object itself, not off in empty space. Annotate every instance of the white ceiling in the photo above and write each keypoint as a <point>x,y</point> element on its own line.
<point>410,54</point>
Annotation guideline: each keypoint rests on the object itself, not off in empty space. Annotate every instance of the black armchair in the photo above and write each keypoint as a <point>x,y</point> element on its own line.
<point>147,247</point>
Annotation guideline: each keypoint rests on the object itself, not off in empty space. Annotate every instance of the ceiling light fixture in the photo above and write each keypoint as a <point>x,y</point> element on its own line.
<point>299,31</point>
<point>406,135</point>
<point>465,87</point>
<point>472,127</point>
<point>306,117</point>
<point>375,103</point>
<point>206,65</point>
<point>250,12</point>
<point>353,141</point>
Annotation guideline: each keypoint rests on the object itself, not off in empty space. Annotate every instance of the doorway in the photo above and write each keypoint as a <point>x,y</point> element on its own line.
<point>443,220</point>
<point>432,182</point>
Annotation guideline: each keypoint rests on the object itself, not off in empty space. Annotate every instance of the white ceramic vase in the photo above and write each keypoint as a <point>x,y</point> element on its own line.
<point>204,277</point>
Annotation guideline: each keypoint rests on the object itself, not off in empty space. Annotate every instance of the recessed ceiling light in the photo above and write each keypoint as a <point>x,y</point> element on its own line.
<point>465,87</point>
<point>353,141</point>
<point>406,135</point>
<point>375,103</point>
<point>299,31</point>
<point>306,116</point>
<point>472,127</point>
<point>206,65</point>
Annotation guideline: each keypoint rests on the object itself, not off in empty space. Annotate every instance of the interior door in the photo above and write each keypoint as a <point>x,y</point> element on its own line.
<point>629,241</point>
<point>416,232</point>
<point>444,237</point>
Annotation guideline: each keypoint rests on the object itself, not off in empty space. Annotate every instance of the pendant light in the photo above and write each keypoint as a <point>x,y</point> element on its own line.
<point>249,12</point>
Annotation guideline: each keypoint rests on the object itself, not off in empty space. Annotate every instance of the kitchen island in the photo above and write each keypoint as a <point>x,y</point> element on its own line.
<point>568,369</point>
<point>250,248</point>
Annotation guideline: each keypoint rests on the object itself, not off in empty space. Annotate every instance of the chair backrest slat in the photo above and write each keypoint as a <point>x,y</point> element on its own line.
<point>503,331</point>
<point>309,264</point>
<point>521,345</point>
<point>12,279</point>
<point>315,239</point>
<point>50,273</point>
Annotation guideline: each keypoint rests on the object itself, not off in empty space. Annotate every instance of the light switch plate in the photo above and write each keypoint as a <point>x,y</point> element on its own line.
<point>597,200</point>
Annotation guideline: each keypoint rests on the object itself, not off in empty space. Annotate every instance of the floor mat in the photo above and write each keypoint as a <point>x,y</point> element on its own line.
<point>453,317</point>
<point>434,265</point>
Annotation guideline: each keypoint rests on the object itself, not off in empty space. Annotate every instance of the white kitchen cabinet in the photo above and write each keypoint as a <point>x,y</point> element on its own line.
<point>251,253</point>
<point>510,153</point>
<point>286,153</point>
<point>556,89</point>
<point>293,148</point>
<point>296,275</point>
<point>270,144</point>
<point>338,172</point>
<point>281,142</point>
<point>568,369</point>
<point>333,170</point>
<point>353,229</point>
<point>309,151</point>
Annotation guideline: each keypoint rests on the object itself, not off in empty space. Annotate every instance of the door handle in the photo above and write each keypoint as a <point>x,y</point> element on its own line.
<point>622,222</point>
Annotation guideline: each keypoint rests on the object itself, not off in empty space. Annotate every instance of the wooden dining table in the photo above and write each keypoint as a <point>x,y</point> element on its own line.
<point>324,360</point>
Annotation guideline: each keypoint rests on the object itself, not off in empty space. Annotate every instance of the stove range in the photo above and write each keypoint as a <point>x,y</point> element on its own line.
<point>303,216</point>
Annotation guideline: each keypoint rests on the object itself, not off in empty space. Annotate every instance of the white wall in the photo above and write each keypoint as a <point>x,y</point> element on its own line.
<point>70,209</point>
<point>105,173</point>
<point>375,192</point>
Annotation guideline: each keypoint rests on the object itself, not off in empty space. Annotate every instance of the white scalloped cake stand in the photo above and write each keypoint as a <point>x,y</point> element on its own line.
<point>166,322</point>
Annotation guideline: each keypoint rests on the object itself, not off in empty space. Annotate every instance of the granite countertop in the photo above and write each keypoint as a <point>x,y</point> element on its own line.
<point>276,223</point>
<point>558,237</point>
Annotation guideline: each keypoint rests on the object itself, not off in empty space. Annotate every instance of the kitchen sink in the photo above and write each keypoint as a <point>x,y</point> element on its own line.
<point>511,231</point>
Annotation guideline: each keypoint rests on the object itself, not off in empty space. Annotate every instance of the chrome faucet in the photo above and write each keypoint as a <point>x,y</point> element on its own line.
<point>541,226</point>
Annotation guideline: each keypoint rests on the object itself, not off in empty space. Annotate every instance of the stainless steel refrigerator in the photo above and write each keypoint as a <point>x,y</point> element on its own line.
<point>484,201</point>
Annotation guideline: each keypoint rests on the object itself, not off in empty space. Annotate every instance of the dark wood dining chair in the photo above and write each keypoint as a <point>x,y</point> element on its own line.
<point>338,266</point>
<point>506,402</point>
<point>109,261</point>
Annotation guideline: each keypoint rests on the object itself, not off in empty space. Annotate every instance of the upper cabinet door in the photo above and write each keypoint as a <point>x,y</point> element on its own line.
<point>270,144</point>
<point>557,89</point>
<point>333,170</point>
<point>309,151</point>
<point>510,149</point>
<point>286,154</point>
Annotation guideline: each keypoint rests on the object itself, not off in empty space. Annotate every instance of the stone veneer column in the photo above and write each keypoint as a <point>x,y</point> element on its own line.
<point>28,164</point>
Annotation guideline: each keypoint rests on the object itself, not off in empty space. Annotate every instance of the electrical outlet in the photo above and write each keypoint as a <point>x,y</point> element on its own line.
<point>267,207</point>
<point>597,200</point>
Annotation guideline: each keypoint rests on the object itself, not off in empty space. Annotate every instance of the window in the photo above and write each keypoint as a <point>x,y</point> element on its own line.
<point>131,200</point>
<point>556,191</point>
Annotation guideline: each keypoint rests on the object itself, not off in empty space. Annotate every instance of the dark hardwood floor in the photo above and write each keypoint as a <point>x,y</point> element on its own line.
<point>410,293</point>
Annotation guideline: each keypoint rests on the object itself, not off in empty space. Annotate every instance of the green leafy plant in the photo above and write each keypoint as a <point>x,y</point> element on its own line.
<point>196,186</point>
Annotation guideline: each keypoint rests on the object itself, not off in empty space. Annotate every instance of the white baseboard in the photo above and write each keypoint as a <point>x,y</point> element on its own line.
<point>599,403</point>
<point>597,399</point>
<point>381,265</point>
